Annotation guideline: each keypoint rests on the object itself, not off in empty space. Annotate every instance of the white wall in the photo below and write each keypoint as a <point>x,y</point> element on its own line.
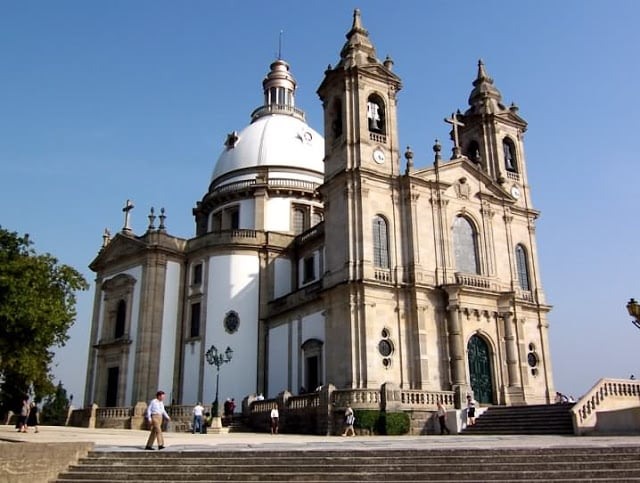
<point>278,360</point>
<point>170,318</point>
<point>277,214</point>
<point>233,285</point>
<point>191,374</point>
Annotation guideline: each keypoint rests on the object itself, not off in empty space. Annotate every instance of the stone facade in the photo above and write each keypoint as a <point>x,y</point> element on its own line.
<point>335,261</point>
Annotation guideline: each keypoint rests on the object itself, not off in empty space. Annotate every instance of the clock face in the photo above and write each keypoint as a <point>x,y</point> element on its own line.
<point>515,191</point>
<point>378,156</point>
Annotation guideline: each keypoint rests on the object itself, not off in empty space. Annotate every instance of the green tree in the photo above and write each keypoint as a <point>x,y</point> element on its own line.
<point>37,308</point>
<point>54,410</point>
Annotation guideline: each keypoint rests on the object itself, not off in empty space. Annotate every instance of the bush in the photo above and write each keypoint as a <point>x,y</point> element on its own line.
<point>397,424</point>
<point>382,423</point>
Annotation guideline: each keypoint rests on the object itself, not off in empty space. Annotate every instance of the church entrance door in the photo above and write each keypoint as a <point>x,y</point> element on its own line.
<point>480,369</point>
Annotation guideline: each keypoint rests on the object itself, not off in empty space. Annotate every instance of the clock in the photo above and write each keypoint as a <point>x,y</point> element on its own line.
<point>378,156</point>
<point>515,191</point>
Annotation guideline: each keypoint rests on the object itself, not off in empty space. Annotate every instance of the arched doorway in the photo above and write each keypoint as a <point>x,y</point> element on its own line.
<point>480,369</point>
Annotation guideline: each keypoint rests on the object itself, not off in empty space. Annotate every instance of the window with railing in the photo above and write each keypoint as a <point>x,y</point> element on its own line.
<point>522,267</point>
<point>380,243</point>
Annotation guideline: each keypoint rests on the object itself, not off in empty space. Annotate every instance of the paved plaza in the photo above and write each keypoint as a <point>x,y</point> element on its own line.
<point>134,440</point>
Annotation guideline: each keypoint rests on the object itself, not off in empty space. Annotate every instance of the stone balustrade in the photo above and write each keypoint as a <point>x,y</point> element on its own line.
<point>611,406</point>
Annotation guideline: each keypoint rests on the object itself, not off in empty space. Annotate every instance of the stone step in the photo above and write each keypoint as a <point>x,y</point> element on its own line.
<point>360,467</point>
<point>448,464</point>
<point>462,456</point>
<point>444,475</point>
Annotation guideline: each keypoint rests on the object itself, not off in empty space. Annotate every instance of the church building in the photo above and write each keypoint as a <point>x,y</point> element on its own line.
<point>329,259</point>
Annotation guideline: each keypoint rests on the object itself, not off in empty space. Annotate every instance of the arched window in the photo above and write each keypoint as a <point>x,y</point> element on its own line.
<point>509,150</point>
<point>380,243</point>
<point>465,246</point>
<point>522,267</point>
<point>121,317</point>
<point>472,151</point>
<point>376,115</point>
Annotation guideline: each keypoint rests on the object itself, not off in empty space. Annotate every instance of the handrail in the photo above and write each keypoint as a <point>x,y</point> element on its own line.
<point>605,395</point>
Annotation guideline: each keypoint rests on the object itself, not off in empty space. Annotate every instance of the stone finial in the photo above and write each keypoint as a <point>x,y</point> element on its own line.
<point>436,149</point>
<point>388,62</point>
<point>106,237</point>
<point>152,219</point>
<point>408,154</point>
<point>162,217</point>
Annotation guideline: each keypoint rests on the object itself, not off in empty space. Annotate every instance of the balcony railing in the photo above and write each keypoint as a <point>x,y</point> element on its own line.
<point>472,280</point>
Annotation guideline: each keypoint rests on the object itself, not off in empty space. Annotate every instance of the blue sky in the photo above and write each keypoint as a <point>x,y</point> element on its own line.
<point>105,101</point>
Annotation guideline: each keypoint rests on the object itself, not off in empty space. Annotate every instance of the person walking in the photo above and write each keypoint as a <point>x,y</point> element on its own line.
<point>274,420</point>
<point>155,415</point>
<point>349,420</point>
<point>33,418</point>
<point>198,424</point>
<point>442,417</point>
<point>23,415</point>
<point>471,411</point>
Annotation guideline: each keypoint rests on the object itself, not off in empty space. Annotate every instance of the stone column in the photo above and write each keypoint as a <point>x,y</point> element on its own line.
<point>456,354</point>
<point>513,375</point>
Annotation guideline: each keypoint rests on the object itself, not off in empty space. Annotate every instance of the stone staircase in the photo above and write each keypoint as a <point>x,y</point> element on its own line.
<point>564,464</point>
<point>534,419</point>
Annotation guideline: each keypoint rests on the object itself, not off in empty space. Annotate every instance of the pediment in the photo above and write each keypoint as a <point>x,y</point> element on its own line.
<point>380,71</point>
<point>451,173</point>
<point>119,248</point>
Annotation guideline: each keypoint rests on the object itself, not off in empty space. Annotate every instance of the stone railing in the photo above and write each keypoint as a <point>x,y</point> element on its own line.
<point>357,398</point>
<point>322,412</point>
<point>611,406</point>
<point>382,275</point>
<point>379,138</point>
<point>472,280</point>
<point>114,417</point>
<point>424,399</point>
<point>513,176</point>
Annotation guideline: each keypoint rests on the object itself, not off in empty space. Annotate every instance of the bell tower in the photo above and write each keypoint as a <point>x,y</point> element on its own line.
<point>359,99</point>
<point>492,135</point>
<point>362,158</point>
<point>363,240</point>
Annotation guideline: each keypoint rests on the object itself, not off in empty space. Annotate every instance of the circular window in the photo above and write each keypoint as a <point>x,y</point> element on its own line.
<point>384,333</point>
<point>385,347</point>
<point>532,359</point>
<point>386,362</point>
<point>231,322</point>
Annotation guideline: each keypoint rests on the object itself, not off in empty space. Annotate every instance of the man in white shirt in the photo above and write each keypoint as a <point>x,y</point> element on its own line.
<point>274,420</point>
<point>198,411</point>
<point>155,414</point>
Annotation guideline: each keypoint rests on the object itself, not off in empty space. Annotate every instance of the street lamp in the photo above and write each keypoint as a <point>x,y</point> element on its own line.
<point>633,308</point>
<point>217,359</point>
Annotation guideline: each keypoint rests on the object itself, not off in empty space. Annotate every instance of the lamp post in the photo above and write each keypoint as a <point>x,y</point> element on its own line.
<point>633,308</point>
<point>217,359</point>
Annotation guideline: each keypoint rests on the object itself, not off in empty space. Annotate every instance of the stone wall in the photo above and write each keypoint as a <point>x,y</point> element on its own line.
<point>38,462</point>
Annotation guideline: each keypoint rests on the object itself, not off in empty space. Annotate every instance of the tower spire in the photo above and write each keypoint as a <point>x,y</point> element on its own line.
<point>485,98</point>
<point>358,49</point>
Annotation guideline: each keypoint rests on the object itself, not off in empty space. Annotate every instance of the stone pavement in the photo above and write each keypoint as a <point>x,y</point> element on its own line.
<point>134,440</point>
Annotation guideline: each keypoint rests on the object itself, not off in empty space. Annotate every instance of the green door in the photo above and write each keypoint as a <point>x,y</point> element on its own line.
<point>480,370</point>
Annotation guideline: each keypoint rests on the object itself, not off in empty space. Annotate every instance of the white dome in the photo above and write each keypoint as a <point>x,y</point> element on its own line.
<point>273,140</point>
